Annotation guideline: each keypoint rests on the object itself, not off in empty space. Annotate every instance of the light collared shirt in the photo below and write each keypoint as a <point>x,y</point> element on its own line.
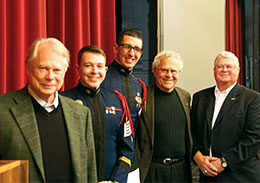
<point>48,107</point>
<point>219,100</point>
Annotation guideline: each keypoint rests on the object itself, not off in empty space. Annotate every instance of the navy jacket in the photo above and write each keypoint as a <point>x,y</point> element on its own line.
<point>113,141</point>
<point>120,79</point>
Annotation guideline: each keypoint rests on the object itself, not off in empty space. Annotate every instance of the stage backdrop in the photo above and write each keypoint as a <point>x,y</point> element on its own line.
<point>74,22</point>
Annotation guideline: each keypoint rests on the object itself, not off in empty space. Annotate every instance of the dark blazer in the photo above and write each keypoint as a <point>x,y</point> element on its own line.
<point>145,135</point>
<point>235,135</point>
<point>20,140</point>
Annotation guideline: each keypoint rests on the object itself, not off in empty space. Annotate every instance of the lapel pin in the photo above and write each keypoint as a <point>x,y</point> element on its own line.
<point>233,98</point>
<point>79,101</point>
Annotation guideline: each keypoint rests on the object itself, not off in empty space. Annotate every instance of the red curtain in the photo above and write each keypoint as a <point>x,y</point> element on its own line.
<point>75,22</point>
<point>233,32</point>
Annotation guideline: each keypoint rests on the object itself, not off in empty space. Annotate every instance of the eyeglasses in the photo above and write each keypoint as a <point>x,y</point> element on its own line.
<point>222,67</point>
<point>128,47</point>
<point>172,71</point>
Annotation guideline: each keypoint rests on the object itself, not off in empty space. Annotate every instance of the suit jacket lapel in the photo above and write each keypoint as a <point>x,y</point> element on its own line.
<point>229,101</point>
<point>209,106</point>
<point>150,112</point>
<point>185,103</point>
<point>73,132</point>
<point>186,106</point>
<point>25,117</point>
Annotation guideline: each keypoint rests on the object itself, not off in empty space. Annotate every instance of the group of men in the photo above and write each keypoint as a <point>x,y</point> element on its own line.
<point>128,133</point>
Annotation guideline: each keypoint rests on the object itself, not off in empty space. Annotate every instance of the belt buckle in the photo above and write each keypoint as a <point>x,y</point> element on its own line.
<point>167,161</point>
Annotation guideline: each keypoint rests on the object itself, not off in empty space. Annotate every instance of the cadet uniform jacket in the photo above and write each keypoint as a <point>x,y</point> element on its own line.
<point>120,79</point>
<point>112,132</point>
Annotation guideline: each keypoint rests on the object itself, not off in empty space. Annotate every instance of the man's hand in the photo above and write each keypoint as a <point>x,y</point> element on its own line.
<point>205,164</point>
<point>217,164</point>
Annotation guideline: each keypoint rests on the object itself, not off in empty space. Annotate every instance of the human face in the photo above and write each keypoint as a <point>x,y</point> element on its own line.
<point>46,72</point>
<point>166,74</point>
<point>92,69</point>
<point>226,72</point>
<point>128,57</point>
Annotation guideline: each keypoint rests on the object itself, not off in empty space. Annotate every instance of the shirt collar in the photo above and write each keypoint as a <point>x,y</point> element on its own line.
<point>42,102</point>
<point>224,92</point>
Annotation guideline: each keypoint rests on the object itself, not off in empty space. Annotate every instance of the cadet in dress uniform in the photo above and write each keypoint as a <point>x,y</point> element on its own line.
<point>128,51</point>
<point>112,125</point>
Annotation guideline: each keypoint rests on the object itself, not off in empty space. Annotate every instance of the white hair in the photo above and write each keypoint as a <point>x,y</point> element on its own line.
<point>168,54</point>
<point>227,54</point>
<point>32,51</point>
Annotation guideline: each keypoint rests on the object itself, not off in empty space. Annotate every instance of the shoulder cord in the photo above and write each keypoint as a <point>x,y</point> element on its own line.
<point>144,92</point>
<point>126,110</point>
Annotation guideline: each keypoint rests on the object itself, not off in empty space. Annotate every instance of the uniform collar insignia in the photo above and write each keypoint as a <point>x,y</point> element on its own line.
<point>122,69</point>
<point>87,90</point>
<point>92,91</point>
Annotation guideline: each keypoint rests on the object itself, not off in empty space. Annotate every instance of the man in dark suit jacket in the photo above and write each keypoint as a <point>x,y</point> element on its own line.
<point>226,126</point>
<point>53,132</point>
<point>164,139</point>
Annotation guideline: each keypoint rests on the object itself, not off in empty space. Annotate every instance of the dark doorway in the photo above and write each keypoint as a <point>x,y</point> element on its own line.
<point>251,45</point>
<point>142,16</point>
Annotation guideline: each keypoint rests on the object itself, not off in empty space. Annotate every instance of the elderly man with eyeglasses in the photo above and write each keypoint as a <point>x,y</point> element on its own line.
<point>164,138</point>
<point>225,121</point>
<point>128,51</point>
